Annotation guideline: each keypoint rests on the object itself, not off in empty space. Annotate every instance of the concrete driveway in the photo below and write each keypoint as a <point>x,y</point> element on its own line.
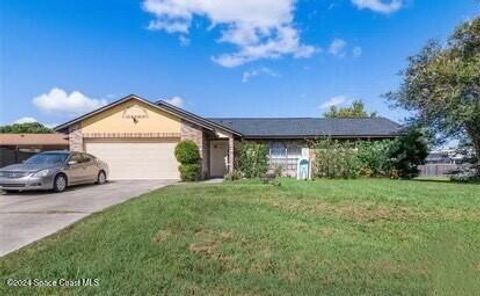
<point>29,216</point>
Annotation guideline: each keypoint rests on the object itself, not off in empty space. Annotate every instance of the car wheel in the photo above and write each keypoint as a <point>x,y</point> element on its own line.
<point>60,183</point>
<point>101,178</point>
<point>10,191</point>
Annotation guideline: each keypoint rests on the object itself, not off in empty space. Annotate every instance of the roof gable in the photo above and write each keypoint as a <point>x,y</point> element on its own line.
<point>163,106</point>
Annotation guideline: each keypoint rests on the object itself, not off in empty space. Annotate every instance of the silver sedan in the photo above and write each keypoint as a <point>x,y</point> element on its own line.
<point>53,170</point>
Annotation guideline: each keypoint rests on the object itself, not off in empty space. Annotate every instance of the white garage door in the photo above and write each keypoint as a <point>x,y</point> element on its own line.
<point>136,159</point>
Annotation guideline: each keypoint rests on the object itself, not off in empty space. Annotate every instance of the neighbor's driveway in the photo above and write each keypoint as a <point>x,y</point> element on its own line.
<point>29,216</point>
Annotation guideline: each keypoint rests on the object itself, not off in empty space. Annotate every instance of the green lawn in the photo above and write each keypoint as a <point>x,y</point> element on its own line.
<point>337,237</point>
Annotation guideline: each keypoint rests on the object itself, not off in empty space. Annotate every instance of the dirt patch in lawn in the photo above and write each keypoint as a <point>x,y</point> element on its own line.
<point>162,235</point>
<point>207,242</point>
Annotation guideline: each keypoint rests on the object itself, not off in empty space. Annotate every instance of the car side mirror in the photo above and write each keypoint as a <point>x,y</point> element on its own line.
<point>72,162</point>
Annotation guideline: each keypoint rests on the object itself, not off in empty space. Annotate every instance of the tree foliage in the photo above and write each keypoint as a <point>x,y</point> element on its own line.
<point>408,152</point>
<point>441,85</point>
<point>356,110</point>
<point>25,128</point>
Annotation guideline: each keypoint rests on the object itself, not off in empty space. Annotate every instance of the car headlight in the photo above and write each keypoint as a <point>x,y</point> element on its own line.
<point>42,173</point>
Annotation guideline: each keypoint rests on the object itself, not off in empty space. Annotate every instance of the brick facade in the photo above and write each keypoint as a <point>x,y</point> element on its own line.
<point>75,138</point>
<point>231,154</point>
<point>189,131</point>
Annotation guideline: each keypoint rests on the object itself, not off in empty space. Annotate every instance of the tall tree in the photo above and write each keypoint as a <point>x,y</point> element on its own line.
<point>356,110</point>
<point>25,128</point>
<point>441,85</point>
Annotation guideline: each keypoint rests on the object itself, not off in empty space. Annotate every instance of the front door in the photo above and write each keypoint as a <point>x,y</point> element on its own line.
<point>218,158</point>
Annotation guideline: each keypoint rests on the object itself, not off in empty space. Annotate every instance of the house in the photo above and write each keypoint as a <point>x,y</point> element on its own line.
<point>137,137</point>
<point>15,148</point>
<point>450,156</point>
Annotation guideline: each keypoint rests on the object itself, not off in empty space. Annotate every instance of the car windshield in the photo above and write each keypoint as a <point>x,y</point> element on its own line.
<point>47,158</point>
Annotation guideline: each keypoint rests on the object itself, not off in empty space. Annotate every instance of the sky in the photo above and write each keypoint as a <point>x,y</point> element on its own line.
<point>229,58</point>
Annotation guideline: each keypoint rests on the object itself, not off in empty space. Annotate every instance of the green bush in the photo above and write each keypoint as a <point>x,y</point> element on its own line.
<point>252,159</point>
<point>188,156</point>
<point>375,158</point>
<point>187,152</point>
<point>189,172</point>
<point>334,159</point>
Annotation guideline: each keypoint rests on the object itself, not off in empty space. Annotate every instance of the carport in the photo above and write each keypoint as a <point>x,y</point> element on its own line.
<point>15,148</point>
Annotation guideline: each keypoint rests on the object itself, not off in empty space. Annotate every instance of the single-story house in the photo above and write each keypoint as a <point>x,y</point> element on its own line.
<point>15,148</point>
<point>137,137</point>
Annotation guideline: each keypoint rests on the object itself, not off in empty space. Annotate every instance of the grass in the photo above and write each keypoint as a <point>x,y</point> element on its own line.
<point>329,237</point>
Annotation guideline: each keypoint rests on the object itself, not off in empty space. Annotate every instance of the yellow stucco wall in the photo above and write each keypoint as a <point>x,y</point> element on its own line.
<point>119,119</point>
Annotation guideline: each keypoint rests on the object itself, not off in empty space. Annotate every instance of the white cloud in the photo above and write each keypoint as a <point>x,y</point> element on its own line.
<point>59,101</point>
<point>50,125</point>
<point>25,119</point>
<point>340,48</point>
<point>357,52</point>
<point>334,101</point>
<point>259,29</point>
<point>337,47</point>
<point>381,6</point>
<point>247,75</point>
<point>176,101</point>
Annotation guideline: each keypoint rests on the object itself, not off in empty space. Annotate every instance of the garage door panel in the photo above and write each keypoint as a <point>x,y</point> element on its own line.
<point>137,159</point>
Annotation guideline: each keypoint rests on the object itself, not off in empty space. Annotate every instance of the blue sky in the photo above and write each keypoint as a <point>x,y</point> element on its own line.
<point>257,58</point>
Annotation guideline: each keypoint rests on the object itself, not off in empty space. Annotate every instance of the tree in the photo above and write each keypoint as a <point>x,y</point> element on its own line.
<point>356,110</point>
<point>409,151</point>
<point>25,128</point>
<point>441,85</point>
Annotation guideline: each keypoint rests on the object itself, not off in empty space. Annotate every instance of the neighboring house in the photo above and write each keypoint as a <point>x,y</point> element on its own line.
<point>450,156</point>
<point>137,138</point>
<point>15,148</point>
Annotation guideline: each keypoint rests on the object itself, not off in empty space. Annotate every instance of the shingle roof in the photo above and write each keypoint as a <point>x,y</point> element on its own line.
<point>311,127</point>
<point>33,139</point>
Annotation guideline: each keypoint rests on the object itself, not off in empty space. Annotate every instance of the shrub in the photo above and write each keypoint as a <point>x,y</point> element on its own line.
<point>334,159</point>
<point>188,155</point>
<point>187,152</point>
<point>235,175</point>
<point>375,158</point>
<point>252,159</point>
<point>189,172</point>
<point>277,170</point>
<point>470,174</point>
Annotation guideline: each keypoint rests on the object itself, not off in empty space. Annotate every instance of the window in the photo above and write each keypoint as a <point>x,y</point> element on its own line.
<point>284,150</point>
<point>77,157</point>
<point>278,150</point>
<point>294,151</point>
<point>47,158</point>
<point>86,158</point>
